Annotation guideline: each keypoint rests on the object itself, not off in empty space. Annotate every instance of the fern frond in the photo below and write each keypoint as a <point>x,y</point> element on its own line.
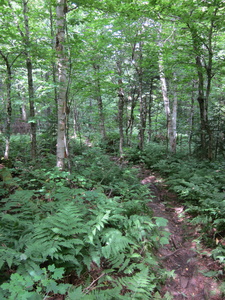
<point>59,236</point>
<point>139,284</point>
<point>115,242</point>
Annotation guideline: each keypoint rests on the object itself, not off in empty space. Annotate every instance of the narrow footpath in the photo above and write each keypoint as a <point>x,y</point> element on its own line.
<point>184,254</point>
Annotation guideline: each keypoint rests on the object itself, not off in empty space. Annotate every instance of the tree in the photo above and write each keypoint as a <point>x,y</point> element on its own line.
<point>99,100</point>
<point>62,148</point>
<point>8,104</point>
<point>120,106</point>
<point>203,20</point>
<point>29,66</point>
<point>170,116</point>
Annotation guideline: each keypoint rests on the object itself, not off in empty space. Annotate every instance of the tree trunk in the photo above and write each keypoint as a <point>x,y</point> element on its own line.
<point>99,101</point>
<point>30,81</point>
<point>8,106</point>
<point>150,102</point>
<point>170,132</point>
<point>130,122</point>
<point>166,101</point>
<point>53,62</point>
<point>191,122</point>
<point>174,122</point>
<point>204,86</point>
<point>62,149</point>
<point>143,106</point>
<point>120,108</point>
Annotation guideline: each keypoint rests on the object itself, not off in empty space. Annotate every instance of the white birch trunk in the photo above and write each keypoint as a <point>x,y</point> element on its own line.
<point>169,116</point>
<point>174,123</point>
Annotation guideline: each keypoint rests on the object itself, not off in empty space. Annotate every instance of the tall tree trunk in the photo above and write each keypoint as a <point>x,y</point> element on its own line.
<point>191,122</point>
<point>166,101</point>
<point>8,106</point>
<point>174,120</point>
<point>62,149</point>
<point>143,106</point>
<point>143,115</point>
<point>130,122</point>
<point>53,62</point>
<point>170,132</point>
<point>204,66</point>
<point>99,100</point>
<point>120,108</point>
<point>30,81</point>
<point>150,103</point>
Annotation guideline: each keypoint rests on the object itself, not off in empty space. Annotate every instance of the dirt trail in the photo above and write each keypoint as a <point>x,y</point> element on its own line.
<point>183,254</point>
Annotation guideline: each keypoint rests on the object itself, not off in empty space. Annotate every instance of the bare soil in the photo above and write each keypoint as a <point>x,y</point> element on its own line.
<point>189,259</point>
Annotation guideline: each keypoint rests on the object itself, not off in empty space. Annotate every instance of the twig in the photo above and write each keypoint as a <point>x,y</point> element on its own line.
<point>171,254</point>
<point>93,282</point>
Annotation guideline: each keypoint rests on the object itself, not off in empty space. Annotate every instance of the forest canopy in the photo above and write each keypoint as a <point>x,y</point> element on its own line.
<point>125,72</point>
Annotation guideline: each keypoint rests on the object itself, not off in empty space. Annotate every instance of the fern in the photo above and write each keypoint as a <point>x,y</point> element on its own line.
<point>59,237</point>
<point>83,231</point>
<point>137,287</point>
<point>115,242</point>
<point>139,284</point>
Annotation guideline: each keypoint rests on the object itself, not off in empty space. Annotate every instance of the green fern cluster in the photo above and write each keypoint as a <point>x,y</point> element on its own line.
<point>77,232</point>
<point>92,223</point>
<point>201,184</point>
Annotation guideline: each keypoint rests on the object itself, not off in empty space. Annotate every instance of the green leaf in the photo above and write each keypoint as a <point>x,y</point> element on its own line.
<point>161,222</point>
<point>75,293</point>
<point>210,273</point>
<point>164,240</point>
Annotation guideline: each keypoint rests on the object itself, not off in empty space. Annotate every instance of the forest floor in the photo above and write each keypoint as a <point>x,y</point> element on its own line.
<point>189,259</point>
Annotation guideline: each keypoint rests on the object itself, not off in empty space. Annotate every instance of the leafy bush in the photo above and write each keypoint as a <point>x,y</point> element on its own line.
<point>17,145</point>
<point>35,284</point>
<point>152,153</point>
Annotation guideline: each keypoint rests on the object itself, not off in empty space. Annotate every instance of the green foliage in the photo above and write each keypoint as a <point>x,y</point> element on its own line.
<point>66,224</point>
<point>18,144</point>
<point>152,153</point>
<point>110,144</point>
<point>34,284</point>
<point>201,184</point>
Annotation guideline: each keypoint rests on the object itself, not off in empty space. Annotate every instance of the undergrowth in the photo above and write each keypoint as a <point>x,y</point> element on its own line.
<point>87,234</point>
<point>200,184</point>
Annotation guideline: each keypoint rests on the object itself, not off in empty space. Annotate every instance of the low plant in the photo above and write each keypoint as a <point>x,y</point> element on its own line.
<point>100,231</point>
<point>201,185</point>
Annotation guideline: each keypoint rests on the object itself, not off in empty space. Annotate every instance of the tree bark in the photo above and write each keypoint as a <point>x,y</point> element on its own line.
<point>204,68</point>
<point>174,120</point>
<point>166,101</point>
<point>143,105</point>
<point>120,108</point>
<point>8,106</point>
<point>30,81</point>
<point>53,62</point>
<point>62,148</point>
<point>150,102</point>
<point>99,101</point>
<point>191,121</point>
<point>169,117</point>
<point>130,122</point>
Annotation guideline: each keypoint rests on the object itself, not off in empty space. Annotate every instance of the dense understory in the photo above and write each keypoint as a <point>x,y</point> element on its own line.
<point>88,233</point>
